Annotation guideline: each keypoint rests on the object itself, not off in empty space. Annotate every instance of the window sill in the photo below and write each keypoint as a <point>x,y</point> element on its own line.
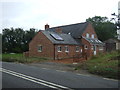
<point>39,51</point>
<point>67,51</point>
<point>59,51</point>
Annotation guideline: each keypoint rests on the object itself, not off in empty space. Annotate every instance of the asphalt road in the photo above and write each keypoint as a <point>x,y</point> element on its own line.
<point>25,76</point>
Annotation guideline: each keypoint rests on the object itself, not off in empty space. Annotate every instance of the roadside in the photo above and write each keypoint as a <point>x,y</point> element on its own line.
<point>71,67</point>
<point>105,64</point>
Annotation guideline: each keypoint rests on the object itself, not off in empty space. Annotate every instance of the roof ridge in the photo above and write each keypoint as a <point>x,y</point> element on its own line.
<point>68,25</point>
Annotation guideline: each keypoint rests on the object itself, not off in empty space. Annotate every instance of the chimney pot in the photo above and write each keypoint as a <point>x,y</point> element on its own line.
<point>46,26</point>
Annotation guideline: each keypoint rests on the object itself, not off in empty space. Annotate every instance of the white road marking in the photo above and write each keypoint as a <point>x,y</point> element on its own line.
<point>60,71</point>
<point>82,74</point>
<point>45,68</point>
<point>110,79</point>
<point>35,80</point>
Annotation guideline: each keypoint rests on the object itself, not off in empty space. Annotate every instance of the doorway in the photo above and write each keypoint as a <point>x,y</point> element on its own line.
<point>94,49</point>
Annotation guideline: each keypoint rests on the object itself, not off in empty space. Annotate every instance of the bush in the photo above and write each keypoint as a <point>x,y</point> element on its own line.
<point>105,64</point>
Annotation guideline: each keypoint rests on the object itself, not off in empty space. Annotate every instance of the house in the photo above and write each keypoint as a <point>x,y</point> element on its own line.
<point>112,44</point>
<point>68,41</point>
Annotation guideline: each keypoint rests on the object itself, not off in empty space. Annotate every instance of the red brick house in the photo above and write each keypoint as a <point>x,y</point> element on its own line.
<point>75,40</point>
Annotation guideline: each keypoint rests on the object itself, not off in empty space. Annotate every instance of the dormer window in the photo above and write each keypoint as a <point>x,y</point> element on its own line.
<point>93,36</point>
<point>87,35</point>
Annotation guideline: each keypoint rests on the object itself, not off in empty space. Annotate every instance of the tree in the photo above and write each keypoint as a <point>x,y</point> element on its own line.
<point>16,40</point>
<point>103,27</point>
<point>28,37</point>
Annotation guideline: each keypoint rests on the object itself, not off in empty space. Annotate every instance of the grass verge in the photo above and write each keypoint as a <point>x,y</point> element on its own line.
<point>106,64</point>
<point>21,59</point>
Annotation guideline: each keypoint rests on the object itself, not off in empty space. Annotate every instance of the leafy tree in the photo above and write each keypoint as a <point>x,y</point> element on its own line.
<point>16,40</point>
<point>103,27</point>
<point>28,37</point>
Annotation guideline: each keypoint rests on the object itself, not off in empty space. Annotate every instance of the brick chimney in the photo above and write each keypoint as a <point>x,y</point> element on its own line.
<point>46,26</point>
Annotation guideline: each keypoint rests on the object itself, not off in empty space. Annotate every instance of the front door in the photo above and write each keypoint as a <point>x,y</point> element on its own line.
<point>94,49</point>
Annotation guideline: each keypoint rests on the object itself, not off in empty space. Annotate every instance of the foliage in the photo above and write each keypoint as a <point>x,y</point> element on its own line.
<point>16,40</point>
<point>104,28</point>
<point>103,64</point>
<point>21,59</point>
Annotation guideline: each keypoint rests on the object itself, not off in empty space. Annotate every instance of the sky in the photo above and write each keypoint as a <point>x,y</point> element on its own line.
<point>28,14</point>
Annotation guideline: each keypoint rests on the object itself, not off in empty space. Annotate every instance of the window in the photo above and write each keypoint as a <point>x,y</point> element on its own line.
<point>56,36</point>
<point>93,36</point>
<point>86,47</point>
<point>66,49</point>
<point>81,50</point>
<point>59,49</point>
<point>92,47</point>
<point>87,35</point>
<point>40,48</point>
<point>101,48</point>
<point>77,48</point>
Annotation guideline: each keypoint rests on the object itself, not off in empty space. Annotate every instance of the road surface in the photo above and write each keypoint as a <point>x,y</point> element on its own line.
<point>25,76</point>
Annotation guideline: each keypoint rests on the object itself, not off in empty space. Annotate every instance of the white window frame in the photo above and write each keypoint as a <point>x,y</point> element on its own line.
<point>77,49</point>
<point>93,36</point>
<point>86,47</point>
<point>81,50</point>
<point>59,48</point>
<point>92,47</point>
<point>66,49</point>
<point>87,35</point>
<point>40,48</point>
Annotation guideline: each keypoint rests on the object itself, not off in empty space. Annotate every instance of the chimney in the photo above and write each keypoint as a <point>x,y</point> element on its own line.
<point>46,26</point>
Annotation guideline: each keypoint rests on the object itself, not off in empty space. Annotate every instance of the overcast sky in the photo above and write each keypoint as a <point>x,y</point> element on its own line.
<point>36,13</point>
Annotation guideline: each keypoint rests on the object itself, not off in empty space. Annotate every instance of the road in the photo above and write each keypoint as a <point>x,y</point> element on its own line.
<point>25,76</point>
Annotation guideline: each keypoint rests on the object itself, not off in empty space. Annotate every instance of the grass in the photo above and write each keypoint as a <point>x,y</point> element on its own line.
<point>106,65</point>
<point>21,59</point>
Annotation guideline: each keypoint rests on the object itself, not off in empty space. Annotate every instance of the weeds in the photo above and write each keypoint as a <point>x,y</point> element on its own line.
<point>21,59</point>
<point>106,65</point>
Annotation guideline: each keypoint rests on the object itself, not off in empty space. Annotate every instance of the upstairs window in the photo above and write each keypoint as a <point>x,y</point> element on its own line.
<point>40,48</point>
<point>93,36</point>
<point>77,48</point>
<point>87,35</point>
<point>66,49</point>
<point>59,49</point>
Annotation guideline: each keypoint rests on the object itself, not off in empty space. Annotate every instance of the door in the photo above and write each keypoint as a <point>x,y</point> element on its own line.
<point>94,49</point>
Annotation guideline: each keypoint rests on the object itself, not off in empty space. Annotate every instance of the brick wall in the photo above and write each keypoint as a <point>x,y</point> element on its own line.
<point>50,50</point>
<point>72,52</point>
<point>89,30</point>
<point>47,46</point>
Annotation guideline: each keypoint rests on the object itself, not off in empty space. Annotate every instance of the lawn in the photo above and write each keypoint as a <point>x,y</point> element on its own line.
<point>21,59</point>
<point>105,64</point>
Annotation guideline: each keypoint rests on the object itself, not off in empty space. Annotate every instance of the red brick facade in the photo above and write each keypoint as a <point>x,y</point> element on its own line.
<point>47,46</point>
<point>50,50</point>
<point>71,51</point>
<point>89,30</point>
<point>90,50</point>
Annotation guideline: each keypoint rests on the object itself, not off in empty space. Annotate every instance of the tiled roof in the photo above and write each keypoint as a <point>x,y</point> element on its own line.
<point>94,41</point>
<point>75,30</point>
<point>67,39</point>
